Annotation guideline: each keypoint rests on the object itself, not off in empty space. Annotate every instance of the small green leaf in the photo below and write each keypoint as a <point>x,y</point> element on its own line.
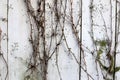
<point>103,43</point>
<point>99,53</point>
<point>117,69</point>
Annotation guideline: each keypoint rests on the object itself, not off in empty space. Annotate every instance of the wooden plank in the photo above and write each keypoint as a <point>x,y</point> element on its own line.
<point>3,40</point>
<point>19,47</point>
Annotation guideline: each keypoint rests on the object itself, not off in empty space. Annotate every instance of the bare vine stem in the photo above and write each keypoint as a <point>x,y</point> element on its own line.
<point>116,39</point>
<point>2,56</point>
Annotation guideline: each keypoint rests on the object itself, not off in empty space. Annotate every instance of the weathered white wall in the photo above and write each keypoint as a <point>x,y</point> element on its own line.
<point>17,48</point>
